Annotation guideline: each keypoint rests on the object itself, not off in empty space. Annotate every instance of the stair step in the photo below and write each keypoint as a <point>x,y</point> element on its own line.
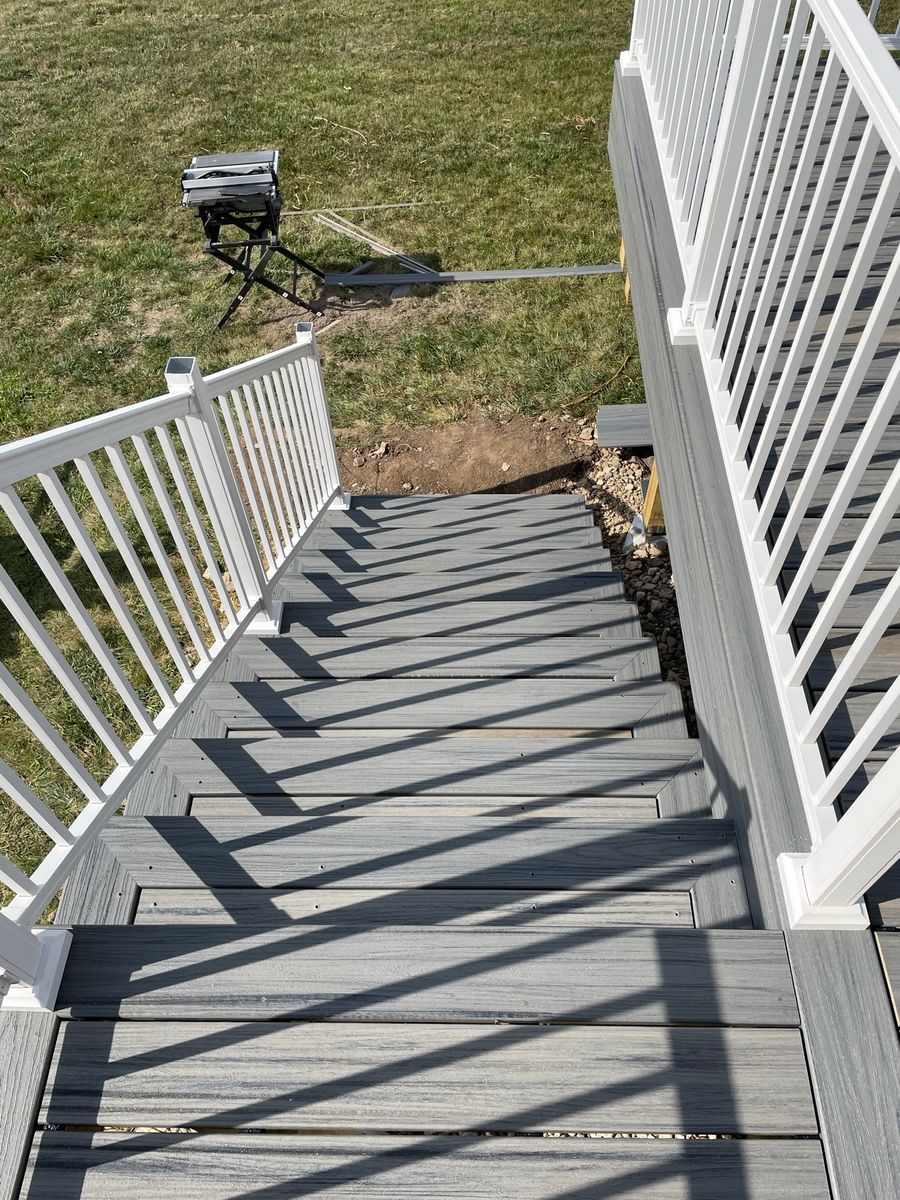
<point>387,765</point>
<point>486,585</point>
<point>501,502</point>
<point>413,973</point>
<point>475,618</point>
<point>624,808</point>
<point>345,907</point>
<point>470,538</point>
<point>105,1166</point>
<point>374,1077</point>
<point>440,515</point>
<point>390,562</point>
<point>692,854</point>
<point>649,709</point>
<point>451,657</point>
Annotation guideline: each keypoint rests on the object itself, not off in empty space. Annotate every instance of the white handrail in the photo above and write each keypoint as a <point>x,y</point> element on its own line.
<point>234,468</point>
<point>796,204</point>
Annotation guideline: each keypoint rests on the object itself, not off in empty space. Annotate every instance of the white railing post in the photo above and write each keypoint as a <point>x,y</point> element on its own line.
<point>212,469</point>
<point>33,961</point>
<point>305,335</point>
<point>757,45</point>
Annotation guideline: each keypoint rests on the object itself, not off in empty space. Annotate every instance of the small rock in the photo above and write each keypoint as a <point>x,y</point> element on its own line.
<point>407,487</point>
<point>380,450</point>
<point>359,462</point>
<point>613,462</point>
<point>656,606</point>
<point>504,467</point>
<point>586,435</point>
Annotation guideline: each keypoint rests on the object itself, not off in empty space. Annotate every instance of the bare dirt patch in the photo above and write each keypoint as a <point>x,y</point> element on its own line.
<point>553,453</point>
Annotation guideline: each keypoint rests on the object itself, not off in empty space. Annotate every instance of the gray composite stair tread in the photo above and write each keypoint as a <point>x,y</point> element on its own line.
<point>441,906</point>
<point>650,709</point>
<point>860,505</point>
<point>850,717</point>
<point>422,588</point>
<point>693,854</point>
<point>582,976</point>
<point>623,425</point>
<point>390,562</point>
<point>437,1078</point>
<point>501,501</point>
<point>624,808</point>
<point>462,520</point>
<point>886,554</point>
<point>108,1166</point>
<point>889,948</point>
<point>469,539</point>
<point>877,674</point>
<point>858,606</point>
<point>440,615</point>
<point>382,764</point>
<point>590,656</point>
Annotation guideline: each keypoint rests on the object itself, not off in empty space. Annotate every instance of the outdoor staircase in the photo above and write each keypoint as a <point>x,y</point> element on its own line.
<point>437,862</point>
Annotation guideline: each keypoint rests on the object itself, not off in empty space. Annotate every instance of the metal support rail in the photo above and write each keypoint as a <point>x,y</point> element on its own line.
<point>778,134</point>
<point>183,512</point>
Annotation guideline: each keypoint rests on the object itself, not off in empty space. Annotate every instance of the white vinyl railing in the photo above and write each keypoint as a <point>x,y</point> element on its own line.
<point>178,514</point>
<point>778,132</point>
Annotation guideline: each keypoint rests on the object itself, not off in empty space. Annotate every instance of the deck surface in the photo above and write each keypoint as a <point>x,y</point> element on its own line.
<point>437,862</point>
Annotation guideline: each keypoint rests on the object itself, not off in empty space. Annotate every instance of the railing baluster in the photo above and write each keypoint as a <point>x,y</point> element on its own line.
<point>278,383</point>
<point>93,559</point>
<point>34,541</point>
<point>19,791</point>
<point>122,542</point>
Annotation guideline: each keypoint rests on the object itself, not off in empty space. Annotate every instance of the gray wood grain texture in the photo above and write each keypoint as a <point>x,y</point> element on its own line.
<point>439,906</point>
<point>440,515</point>
<point>849,531</point>
<point>391,765</point>
<point>410,973</point>
<point>455,657</point>
<point>475,618</point>
<point>85,1166</point>
<point>502,503</point>
<point>487,585</point>
<point>347,850</point>
<point>495,808</point>
<point>856,1086</point>
<point>651,710</point>
<point>26,1044</point>
<point>469,540</point>
<point>889,948</point>
<point>389,562</point>
<point>435,1078</point>
<point>623,425</point>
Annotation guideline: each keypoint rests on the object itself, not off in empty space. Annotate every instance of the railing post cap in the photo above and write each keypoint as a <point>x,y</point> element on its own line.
<point>304,332</point>
<point>181,371</point>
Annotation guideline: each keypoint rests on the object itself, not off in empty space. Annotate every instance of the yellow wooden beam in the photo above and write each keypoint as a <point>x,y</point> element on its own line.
<point>623,260</point>
<point>653,509</point>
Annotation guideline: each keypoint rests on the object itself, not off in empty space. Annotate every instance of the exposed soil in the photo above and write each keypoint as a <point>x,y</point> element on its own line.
<point>552,453</point>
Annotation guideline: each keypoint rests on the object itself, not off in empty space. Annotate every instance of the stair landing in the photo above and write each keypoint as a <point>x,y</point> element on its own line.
<point>428,901</point>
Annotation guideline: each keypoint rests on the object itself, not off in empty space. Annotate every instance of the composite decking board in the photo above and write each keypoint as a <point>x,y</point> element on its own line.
<point>385,765</point>
<point>858,606</point>
<point>347,850</point>
<point>443,907</point>
<point>626,808</point>
<point>437,1078</point>
<point>849,531</point>
<point>651,710</point>
<point>623,425</point>
<point>389,562</point>
<point>26,1043</point>
<point>889,948</point>
<point>460,521</point>
<point>453,657</point>
<point>877,674</point>
<point>448,501</point>
<point>487,585</point>
<point>410,973</point>
<point>108,1166</point>
<point>485,618</point>
<point>859,505</point>
<point>851,1038</point>
<point>849,719</point>
<point>505,540</point>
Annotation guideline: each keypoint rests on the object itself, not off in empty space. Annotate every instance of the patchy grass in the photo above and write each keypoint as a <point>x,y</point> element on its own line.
<point>497,114</point>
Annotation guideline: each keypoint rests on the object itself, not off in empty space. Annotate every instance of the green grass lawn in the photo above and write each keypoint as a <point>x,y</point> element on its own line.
<point>497,114</point>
